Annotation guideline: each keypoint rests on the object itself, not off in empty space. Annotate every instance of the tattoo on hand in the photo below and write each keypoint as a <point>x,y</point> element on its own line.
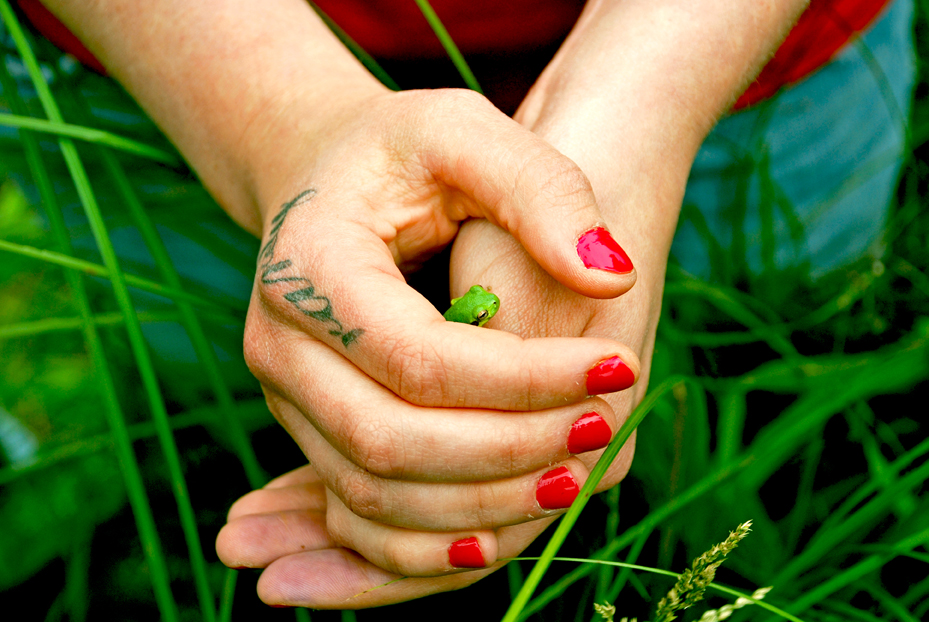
<point>305,299</point>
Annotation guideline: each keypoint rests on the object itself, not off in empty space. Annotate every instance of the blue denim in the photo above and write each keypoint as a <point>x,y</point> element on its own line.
<point>806,177</point>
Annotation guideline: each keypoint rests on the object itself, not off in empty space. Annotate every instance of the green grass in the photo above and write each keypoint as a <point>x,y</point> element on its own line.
<point>773,400</point>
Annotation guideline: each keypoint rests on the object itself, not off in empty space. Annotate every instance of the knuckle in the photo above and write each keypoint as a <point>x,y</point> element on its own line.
<point>484,507</point>
<point>361,496</point>
<point>414,372</point>
<point>254,345</point>
<point>339,528</point>
<point>400,556</point>
<point>377,448</point>
<point>560,178</point>
<point>454,100</point>
<point>258,345</point>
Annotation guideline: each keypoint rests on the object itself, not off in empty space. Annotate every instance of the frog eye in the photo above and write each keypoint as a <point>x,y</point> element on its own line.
<point>482,315</point>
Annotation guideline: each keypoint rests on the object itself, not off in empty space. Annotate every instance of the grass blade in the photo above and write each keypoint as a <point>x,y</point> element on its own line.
<point>90,135</point>
<point>568,520</point>
<point>450,48</point>
<point>95,269</point>
<point>129,466</point>
<point>366,59</point>
<point>137,342</point>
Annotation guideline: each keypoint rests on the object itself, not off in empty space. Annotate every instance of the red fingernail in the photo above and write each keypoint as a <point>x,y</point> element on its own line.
<point>598,249</point>
<point>466,554</point>
<point>588,433</point>
<point>557,489</point>
<point>609,375</point>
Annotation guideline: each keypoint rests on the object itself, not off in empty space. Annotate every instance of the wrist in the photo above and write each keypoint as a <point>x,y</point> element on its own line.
<point>224,80</point>
<point>280,150</point>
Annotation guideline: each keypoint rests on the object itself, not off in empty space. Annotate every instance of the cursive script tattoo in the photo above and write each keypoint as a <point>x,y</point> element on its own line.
<point>305,298</point>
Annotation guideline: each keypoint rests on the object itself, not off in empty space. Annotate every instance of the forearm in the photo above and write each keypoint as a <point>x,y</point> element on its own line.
<point>230,82</point>
<point>635,89</point>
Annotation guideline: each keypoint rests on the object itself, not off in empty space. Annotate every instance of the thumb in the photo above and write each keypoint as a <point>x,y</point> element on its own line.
<point>521,183</point>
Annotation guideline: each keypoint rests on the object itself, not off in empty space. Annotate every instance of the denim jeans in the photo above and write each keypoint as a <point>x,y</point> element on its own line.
<point>805,179</point>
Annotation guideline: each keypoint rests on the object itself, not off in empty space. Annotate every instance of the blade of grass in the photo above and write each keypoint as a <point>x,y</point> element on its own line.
<point>731,424</point>
<point>366,59</point>
<point>129,466</point>
<point>136,340</point>
<point>802,511</point>
<point>568,520</point>
<point>450,48</point>
<point>227,595</point>
<point>515,578</point>
<point>94,269</point>
<point>824,541</point>
<point>717,256</point>
<point>839,514</point>
<point>766,212</point>
<point>204,350</point>
<point>848,613</point>
<point>626,573</point>
<point>888,601</point>
<point>644,527</point>
<point>611,530</point>
<point>253,411</point>
<point>858,571</point>
<point>737,311</point>
<point>90,135</point>
<point>62,324</point>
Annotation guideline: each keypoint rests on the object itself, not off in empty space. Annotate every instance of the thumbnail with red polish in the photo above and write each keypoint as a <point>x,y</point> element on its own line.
<point>466,554</point>
<point>598,249</point>
<point>557,489</point>
<point>588,433</point>
<point>608,376</point>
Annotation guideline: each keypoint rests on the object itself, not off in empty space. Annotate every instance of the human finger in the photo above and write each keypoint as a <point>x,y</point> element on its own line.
<point>341,579</point>
<point>507,174</point>
<point>409,552</point>
<point>390,438</point>
<point>398,338</point>
<point>431,506</point>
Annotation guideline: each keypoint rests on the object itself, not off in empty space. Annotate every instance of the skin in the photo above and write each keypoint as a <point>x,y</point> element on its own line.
<point>476,307</point>
<point>421,432</point>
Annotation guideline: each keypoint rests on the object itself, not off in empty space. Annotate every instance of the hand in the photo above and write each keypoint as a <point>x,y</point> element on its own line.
<point>415,421</point>
<point>295,532</point>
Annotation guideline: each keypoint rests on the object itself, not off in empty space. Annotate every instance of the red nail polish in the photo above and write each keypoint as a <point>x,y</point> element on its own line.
<point>598,249</point>
<point>557,489</point>
<point>588,433</point>
<point>609,375</point>
<point>466,554</point>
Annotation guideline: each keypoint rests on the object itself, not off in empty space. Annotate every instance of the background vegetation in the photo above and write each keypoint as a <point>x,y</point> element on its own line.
<point>801,411</point>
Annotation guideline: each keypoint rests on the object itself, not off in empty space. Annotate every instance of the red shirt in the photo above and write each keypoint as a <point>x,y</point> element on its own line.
<point>396,30</point>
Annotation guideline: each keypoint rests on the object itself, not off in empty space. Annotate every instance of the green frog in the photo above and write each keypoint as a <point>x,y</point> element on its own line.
<point>475,308</point>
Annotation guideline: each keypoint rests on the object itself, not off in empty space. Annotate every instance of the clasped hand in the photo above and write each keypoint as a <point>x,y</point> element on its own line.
<point>433,446</point>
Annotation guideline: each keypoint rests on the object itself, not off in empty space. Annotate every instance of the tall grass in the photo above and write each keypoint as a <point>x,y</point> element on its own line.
<point>773,401</point>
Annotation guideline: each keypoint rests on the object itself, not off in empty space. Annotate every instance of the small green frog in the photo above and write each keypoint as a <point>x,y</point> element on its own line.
<point>475,308</point>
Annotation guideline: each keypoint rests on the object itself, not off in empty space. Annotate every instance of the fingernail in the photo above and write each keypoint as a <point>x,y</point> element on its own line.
<point>557,489</point>
<point>588,433</point>
<point>598,249</point>
<point>466,554</point>
<point>608,376</point>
